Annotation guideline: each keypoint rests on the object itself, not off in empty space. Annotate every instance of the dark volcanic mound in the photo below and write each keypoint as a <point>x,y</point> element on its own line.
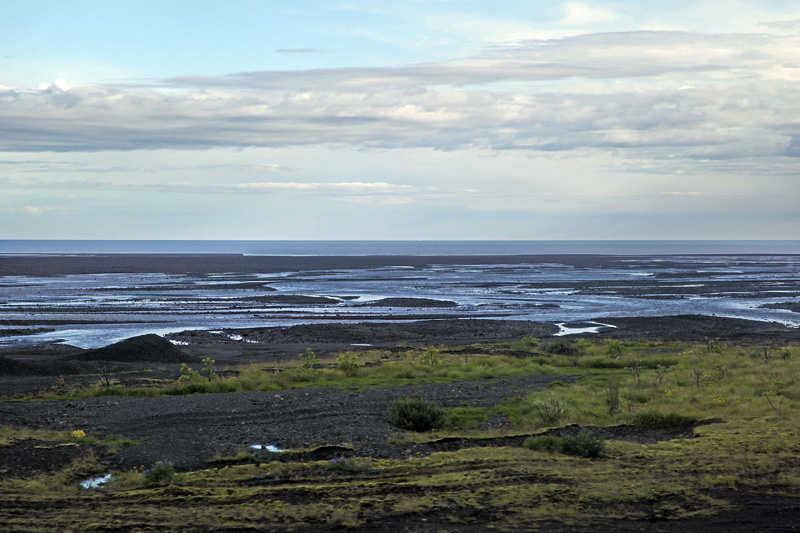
<point>411,302</point>
<point>10,367</point>
<point>149,348</point>
<point>693,328</point>
<point>789,306</point>
<point>457,331</point>
<point>293,299</point>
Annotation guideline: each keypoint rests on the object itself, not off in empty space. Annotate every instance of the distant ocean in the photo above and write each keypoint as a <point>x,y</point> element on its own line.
<point>414,248</point>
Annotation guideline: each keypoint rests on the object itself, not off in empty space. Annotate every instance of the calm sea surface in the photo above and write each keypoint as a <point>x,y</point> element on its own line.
<point>745,279</point>
<point>357,248</point>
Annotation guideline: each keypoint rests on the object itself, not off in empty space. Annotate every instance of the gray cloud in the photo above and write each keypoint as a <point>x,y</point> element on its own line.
<point>662,96</point>
<point>785,25</point>
<point>354,190</point>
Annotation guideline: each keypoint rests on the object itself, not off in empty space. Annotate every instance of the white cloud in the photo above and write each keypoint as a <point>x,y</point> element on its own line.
<point>671,98</point>
<point>356,191</point>
<point>582,14</point>
<point>35,211</point>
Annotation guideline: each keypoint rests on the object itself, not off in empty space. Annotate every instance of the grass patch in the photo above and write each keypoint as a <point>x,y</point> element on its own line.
<point>466,417</point>
<point>584,444</point>
<point>657,420</point>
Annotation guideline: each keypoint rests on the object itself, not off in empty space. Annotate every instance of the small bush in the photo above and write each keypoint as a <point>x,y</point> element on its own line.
<point>561,347</point>
<point>584,444</point>
<point>545,443</point>
<point>307,362</point>
<point>550,411</point>
<point>208,369</point>
<point>350,464</point>
<point>527,344</point>
<point>657,420</point>
<point>348,363</point>
<point>430,357</point>
<point>416,414</point>
<point>613,348</point>
<point>187,374</point>
<point>161,473</point>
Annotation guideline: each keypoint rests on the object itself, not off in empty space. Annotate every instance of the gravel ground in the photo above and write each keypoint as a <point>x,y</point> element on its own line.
<point>188,430</point>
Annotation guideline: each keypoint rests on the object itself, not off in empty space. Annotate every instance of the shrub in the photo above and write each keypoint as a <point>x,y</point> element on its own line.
<point>416,414</point>
<point>307,361</point>
<point>584,444</point>
<point>528,343</point>
<point>187,374</point>
<point>161,473</point>
<point>348,363</point>
<point>550,411</point>
<point>658,420</point>
<point>208,369</point>
<point>350,464</point>
<point>561,347</point>
<point>613,348</point>
<point>430,357</point>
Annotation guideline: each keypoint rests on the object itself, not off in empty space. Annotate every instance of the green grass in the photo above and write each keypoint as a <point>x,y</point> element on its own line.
<point>407,370</point>
<point>752,446</point>
<point>515,488</point>
<point>466,417</point>
<point>10,435</point>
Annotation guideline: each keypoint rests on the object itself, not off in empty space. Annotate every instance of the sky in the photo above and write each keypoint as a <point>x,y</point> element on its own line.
<point>363,119</point>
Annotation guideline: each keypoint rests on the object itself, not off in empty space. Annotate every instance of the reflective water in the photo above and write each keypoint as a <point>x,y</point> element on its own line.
<point>92,310</point>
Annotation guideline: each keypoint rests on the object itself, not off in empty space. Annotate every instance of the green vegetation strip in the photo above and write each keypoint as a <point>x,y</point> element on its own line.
<point>748,397</point>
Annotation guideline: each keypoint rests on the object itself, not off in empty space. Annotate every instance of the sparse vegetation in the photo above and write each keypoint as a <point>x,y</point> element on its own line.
<point>561,347</point>
<point>658,420</point>
<point>348,363</point>
<point>751,447</point>
<point>584,444</point>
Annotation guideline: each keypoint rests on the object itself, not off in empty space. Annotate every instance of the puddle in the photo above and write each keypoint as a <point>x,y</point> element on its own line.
<point>95,482</point>
<point>239,338</point>
<point>267,447</point>
<point>575,328</point>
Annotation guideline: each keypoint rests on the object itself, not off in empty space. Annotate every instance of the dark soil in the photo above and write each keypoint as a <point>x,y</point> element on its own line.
<point>696,328</point>
<point>143,348</point>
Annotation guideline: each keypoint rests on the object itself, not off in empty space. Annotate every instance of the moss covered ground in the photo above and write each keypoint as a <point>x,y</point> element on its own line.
<point>738,406</point>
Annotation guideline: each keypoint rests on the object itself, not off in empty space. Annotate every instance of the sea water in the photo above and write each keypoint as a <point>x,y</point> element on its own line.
<point>419,248</point>
<point>742,279</point>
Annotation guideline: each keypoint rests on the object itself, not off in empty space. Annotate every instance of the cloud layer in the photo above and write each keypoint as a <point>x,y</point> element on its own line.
<point>628,133</point>
<point>656,95</point>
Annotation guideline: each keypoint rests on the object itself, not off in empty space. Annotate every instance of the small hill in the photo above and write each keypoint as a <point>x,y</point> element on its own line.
<point>10,367</point>
<point>144,348</point>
